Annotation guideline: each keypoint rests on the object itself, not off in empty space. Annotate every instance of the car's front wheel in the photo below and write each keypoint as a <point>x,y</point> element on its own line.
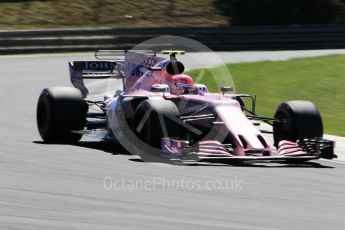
<point>152,121</point>
<point>297,120</point>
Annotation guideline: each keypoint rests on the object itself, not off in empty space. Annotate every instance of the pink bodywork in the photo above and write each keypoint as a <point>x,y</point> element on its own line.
<point>246,137</point>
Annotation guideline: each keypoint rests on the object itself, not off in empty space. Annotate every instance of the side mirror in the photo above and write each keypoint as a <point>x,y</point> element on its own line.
<point>163,88</point>
<point>226,89</point>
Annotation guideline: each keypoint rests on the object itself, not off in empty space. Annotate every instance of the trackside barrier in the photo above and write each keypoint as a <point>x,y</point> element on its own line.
<point>217,38</point>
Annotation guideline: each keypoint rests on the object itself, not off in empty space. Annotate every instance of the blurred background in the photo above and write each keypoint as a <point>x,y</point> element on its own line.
<point>30,14</point>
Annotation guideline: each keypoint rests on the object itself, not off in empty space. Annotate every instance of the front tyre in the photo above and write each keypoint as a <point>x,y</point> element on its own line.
<point>298,120</point>
<point>152,121</point>
<point>59,111</point>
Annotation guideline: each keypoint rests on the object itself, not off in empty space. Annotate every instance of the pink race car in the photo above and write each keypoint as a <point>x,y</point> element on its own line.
<point>162,115</point>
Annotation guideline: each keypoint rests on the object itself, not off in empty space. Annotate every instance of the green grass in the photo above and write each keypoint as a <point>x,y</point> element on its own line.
<point>109,13</point>
<point>319,79</point>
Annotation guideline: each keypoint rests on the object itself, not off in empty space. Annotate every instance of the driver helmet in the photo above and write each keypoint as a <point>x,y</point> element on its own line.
<point>181,84</point>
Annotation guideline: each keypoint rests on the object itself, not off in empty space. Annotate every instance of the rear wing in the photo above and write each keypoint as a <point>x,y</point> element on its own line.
<point>119,55</point>
<point>80,70</point>
<point>118,64</point>
<point>94,69</point>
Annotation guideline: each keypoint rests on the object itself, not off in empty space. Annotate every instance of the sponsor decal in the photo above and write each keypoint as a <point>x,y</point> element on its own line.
<point>98,65</point>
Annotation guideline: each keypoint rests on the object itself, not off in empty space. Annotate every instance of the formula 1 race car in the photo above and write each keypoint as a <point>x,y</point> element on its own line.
<point>161,114</point>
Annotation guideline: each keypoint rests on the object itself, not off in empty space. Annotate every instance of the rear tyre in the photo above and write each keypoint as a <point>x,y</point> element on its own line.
<point>59,111</point>
<point>151,121</point>
<point>299,120</point>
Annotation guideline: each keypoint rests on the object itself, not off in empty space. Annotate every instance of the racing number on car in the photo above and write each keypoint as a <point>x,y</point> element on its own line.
<point>150,61</point>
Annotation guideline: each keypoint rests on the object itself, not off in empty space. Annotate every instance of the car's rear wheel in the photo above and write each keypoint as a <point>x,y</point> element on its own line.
<point>297,120</point>
<point>60,110</point>
<point>152,121</point>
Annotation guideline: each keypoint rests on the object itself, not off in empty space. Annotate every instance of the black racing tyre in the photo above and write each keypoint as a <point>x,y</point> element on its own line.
<point>60,110</point>
<point>152,128</point>
<point>299,120</point>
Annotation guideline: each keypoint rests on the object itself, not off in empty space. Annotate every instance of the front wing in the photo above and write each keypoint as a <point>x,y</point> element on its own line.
<point>215,152</point>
